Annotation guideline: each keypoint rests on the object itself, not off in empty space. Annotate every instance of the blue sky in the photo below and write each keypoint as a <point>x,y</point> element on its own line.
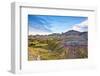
<point>46,24</point>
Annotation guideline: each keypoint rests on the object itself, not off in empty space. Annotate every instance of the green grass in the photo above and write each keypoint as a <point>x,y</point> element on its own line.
<point>51,49</point>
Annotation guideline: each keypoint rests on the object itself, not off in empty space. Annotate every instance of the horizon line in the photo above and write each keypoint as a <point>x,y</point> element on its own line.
<point>58,33</point>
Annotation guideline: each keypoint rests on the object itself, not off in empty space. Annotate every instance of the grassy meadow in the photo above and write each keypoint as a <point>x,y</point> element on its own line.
<point>53,49</point>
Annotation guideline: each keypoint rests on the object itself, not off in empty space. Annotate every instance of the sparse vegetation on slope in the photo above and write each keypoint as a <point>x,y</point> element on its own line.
<point>69,45</point>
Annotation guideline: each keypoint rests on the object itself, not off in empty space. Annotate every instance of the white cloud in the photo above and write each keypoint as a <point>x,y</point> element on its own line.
<point>38,33</point>
<point>33,31</point>
<point>83,26</point>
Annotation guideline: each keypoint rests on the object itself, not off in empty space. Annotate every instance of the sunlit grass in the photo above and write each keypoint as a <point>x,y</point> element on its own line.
<point>52,49</point>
